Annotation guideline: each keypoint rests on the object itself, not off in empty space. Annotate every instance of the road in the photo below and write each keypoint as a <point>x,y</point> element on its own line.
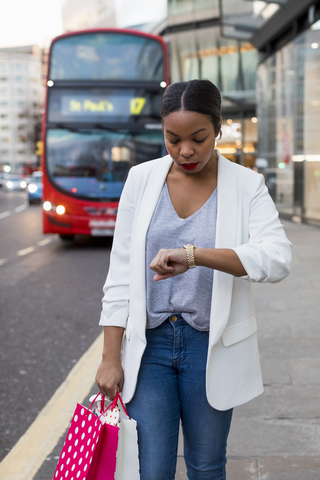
<point>50,301</point>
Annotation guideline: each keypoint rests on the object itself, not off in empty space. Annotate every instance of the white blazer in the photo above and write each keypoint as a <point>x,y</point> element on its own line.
<point>247,222</point>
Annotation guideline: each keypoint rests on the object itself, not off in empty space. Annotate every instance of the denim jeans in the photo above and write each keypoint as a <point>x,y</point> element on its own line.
<point>170,388</point>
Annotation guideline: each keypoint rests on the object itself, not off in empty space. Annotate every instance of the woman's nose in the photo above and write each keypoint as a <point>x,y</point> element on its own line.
<point>186,150</point>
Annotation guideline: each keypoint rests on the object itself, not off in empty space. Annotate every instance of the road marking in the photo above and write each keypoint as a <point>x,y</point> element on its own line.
<point>21,207</point>
<point>32,449</point>
<point>26,251</point>
<point>45,241</point>
<point>3,261</point>
<point>5,214</point>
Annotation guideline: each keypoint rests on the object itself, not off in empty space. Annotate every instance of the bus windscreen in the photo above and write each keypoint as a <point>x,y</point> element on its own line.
<point>106,56</point>
<point>94,163</point>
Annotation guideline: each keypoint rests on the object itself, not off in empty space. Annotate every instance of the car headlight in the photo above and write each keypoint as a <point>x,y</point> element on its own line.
<point>9,184</point>
<point>23,184</point>
<point>32,188</point>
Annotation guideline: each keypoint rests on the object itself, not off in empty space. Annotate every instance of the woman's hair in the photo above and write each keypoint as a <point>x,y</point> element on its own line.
<point>200,96</point>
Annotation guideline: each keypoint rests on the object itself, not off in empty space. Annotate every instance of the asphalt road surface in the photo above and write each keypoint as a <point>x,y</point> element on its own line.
<point>50,302</point>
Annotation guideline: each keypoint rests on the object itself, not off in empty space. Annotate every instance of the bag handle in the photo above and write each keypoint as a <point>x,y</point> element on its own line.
<point>114,404</point>
<point>95,398</point>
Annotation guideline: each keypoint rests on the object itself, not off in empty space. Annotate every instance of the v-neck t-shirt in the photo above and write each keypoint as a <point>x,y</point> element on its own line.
<point>189,293</point>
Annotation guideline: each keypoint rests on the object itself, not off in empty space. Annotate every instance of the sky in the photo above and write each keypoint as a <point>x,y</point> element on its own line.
<point>29,22</point>
<point>36,22</point>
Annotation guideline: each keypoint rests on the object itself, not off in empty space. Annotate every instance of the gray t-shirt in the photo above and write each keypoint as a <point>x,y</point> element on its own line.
<point>189,293</point>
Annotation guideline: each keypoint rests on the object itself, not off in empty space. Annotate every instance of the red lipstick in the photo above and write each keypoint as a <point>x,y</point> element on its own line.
<point>189,166</point>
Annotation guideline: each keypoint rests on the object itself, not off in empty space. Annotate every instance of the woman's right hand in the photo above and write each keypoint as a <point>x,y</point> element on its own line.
<point>110,378</point>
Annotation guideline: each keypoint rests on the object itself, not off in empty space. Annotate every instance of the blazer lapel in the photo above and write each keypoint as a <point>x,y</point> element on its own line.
<point>151,196</point>
<point>138,279</point>
<point>225,238</point>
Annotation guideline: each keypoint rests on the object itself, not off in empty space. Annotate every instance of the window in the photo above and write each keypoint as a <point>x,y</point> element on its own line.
<point>106,56</point>
<point>5,127</point>
<point>20,104</point>
<point>19,78</point>
<point>19,66</point>
<point>5,139</point>
<point>4,152</point>
<point>22,139</point>
<point>21,152</point>
<point>3,104</point>
<point>4,115</point>
<point>3,79</point>
<point>20,91</point>
<point>3,66</point>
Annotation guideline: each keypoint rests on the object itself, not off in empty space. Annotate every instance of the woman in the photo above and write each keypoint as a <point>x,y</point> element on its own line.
<point>193,230</point>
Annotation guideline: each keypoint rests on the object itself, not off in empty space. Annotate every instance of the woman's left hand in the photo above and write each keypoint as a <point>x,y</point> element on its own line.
<point>169,263</point>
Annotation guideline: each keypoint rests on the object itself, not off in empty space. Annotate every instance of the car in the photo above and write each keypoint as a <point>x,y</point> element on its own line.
<point>35,188</point>
<point>13,182</point>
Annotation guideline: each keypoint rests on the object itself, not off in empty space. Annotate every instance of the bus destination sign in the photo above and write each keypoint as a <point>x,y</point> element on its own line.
<point>103,106</point>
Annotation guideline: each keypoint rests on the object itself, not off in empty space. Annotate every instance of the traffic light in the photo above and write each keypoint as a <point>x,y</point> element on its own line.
<point>39,150</point>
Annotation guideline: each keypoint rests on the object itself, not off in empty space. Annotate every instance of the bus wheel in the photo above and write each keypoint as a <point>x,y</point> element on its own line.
<point>66,237</point>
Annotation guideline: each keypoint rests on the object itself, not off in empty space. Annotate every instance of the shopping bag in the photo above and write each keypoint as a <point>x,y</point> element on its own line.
<point>80,445</point>
<point>127,467</point>
<point>127,461</point>
<point>98,449</point>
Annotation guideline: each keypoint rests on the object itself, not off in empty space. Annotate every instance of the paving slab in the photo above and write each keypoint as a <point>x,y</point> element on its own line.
<point>260,437</point>
<point>275,371</point>
<point>289,468</point>
<point>237,469</point>
<point>305,371</point>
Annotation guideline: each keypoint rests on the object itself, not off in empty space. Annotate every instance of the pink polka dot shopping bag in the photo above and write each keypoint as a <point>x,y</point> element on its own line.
<point>100,444</point>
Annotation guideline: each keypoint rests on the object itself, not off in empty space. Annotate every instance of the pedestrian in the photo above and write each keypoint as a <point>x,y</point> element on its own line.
<point>193,231</point>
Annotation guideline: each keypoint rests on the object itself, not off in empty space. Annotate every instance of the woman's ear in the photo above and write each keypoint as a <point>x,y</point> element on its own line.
<point>219,133</point>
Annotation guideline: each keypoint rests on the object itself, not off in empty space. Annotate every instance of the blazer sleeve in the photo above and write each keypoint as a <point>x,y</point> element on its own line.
<point>267,255</point>
<point>115,302</point>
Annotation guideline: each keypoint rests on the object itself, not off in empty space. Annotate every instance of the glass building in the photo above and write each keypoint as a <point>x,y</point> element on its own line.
<point>289,109</point>
<point>287,35</point>
<point>197,50</point>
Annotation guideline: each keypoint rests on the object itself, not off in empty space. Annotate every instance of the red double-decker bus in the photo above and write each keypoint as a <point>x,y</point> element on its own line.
<point>104,92</point>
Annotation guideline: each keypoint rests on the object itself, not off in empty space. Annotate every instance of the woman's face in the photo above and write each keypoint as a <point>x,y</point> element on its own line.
<point>190,140</point>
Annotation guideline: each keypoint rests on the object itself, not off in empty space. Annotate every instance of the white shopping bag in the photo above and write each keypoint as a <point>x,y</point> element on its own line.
<point>127,454</point>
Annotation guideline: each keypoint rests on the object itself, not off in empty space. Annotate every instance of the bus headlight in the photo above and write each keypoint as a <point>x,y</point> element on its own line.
<point>60,210</point>
<point>47,206</point>
<point>9,184</point>
<point>32,188</point>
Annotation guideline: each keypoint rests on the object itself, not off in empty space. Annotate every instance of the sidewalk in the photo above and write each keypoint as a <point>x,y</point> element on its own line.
<point>277,435</point>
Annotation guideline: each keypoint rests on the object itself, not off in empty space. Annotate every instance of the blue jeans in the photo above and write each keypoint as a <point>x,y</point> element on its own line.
<point>170,387</point>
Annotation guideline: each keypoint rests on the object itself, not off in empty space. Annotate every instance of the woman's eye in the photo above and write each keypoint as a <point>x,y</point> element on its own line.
<point>200,141</point>
<point>173,142</point>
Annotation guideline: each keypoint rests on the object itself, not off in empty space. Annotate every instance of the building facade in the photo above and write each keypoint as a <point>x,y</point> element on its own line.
<point>288,103</point>
<point>197,50</point>
<point>21,104</point>
<point>84,14</point>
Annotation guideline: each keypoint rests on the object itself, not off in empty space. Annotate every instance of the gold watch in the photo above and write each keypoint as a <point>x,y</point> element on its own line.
<point>190,255</point>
